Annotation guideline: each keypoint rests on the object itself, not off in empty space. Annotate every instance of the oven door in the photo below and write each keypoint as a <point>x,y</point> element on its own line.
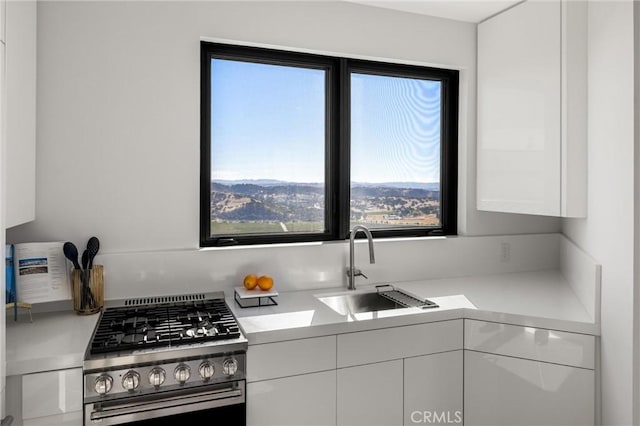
<point>217,404</point>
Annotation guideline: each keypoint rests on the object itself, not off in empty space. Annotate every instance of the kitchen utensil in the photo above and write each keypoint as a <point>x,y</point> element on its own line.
<point>93,246</point>
<point>84,278</point>
<point>71,252</point>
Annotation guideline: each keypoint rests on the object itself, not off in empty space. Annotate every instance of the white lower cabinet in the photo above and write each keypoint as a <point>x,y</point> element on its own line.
<point>515,375</point>
<point>52,398</point>
<point>450,372</point>
<point>371,394</point>
<point>502,390</point>
<point>433,389</point>
<point>307,399</point>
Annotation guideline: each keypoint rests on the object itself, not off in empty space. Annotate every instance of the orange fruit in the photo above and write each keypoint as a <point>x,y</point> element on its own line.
<point>250,282</point>
<point>265,282</point>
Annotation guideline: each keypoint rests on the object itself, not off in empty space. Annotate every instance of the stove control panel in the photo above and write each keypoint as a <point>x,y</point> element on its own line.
<point>147,379</point>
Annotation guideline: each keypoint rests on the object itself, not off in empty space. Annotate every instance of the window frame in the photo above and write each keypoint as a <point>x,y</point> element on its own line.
<point>337,142</point>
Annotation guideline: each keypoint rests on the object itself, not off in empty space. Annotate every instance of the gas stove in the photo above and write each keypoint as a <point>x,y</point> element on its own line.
<point>160,357</point>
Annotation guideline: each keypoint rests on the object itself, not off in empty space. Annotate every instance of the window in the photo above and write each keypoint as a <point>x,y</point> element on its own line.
<point>298,147</point>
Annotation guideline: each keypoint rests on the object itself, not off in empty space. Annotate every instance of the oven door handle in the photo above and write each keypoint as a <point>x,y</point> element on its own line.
<point>165,406</point>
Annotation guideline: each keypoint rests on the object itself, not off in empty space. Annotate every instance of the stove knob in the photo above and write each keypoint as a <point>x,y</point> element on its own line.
<point>157,376</point>
<point>206,370</point>
<point>130,380</point>
<point>230,366</point>
<point>103,384</point>
<point>182,373</point>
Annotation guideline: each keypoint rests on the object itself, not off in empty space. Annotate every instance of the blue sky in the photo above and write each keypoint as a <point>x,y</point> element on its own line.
<point>268,123</point>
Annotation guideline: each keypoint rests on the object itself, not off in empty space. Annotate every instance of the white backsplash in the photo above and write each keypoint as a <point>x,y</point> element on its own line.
<point>323,265</point>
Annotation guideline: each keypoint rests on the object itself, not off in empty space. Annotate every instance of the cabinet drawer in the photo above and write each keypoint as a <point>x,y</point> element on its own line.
<point>577,350</point>
<point>282,359</point>
<point>51,393</point>
<point>398,342</point>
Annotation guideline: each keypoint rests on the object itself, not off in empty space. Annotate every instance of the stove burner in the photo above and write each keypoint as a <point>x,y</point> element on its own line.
<point>205,328</point>
<point>199,332</point>
<point>170,324</point>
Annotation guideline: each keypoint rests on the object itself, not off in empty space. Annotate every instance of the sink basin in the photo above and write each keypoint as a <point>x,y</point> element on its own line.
<point>354,303</point>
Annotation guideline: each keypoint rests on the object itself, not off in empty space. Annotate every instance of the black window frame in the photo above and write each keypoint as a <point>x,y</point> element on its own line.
<point>337,142</point>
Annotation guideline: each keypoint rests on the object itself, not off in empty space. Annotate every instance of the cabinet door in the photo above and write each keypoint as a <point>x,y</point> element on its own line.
<point>370,395</point>
<point>507,391</point>
<point>519,110</point>
<point>53,393</point>
<point>308,399</point>
<point>433,389</point>
<point>3,12</point>
<point>21,112</point>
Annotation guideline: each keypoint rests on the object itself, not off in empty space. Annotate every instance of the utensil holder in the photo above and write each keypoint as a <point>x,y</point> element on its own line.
<point>90,299</point>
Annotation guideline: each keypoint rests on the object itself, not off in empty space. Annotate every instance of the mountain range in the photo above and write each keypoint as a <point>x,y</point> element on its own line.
<point>429,186</point>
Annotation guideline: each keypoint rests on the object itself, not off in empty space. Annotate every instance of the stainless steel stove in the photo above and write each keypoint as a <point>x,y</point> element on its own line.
<point>165,360</point>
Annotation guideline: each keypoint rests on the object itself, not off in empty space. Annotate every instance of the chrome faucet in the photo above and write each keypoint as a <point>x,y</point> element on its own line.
<point>353,272</point>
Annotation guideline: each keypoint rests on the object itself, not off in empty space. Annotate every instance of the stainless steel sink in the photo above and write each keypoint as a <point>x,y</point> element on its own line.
<point>385,297</point>
<point>354,303</point>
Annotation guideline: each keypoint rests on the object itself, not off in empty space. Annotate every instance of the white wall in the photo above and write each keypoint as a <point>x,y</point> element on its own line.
<point>607,233</point>
<point>118,108</point>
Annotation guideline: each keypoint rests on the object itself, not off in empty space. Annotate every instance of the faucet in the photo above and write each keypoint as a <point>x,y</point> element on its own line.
<point>353,272</point>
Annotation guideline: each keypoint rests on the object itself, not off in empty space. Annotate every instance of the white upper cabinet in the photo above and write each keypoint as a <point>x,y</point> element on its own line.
<point>3,9</point>
<point>532,108</point>
<point>20,127</point>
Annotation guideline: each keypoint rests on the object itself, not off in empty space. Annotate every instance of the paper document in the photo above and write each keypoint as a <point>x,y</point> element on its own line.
<point>41,272</point>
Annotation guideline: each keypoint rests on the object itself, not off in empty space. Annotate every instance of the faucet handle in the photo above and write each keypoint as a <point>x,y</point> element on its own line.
<point>359,273</point>
<point>356,273</point>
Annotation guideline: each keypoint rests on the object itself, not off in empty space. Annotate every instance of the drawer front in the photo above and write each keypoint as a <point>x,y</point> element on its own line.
<point>51,393</point>
<point>577,350</point>
<point>282,359</point>
<point>398,342</point>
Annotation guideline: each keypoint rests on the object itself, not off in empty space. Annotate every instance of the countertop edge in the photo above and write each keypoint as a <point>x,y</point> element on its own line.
<point>276,336</point>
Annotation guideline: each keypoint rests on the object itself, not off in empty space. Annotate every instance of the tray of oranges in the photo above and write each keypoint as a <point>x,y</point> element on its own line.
<point>256,291</point>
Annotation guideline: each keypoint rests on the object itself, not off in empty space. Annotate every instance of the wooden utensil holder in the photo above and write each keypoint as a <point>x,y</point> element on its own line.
<point>96,285</point>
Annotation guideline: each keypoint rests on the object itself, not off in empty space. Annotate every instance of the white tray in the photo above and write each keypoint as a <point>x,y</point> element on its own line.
<point>243,293</point>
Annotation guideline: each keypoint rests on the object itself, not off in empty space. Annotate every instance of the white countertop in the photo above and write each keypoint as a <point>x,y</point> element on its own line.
<point>53,341</point>
<point>535,299</point>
